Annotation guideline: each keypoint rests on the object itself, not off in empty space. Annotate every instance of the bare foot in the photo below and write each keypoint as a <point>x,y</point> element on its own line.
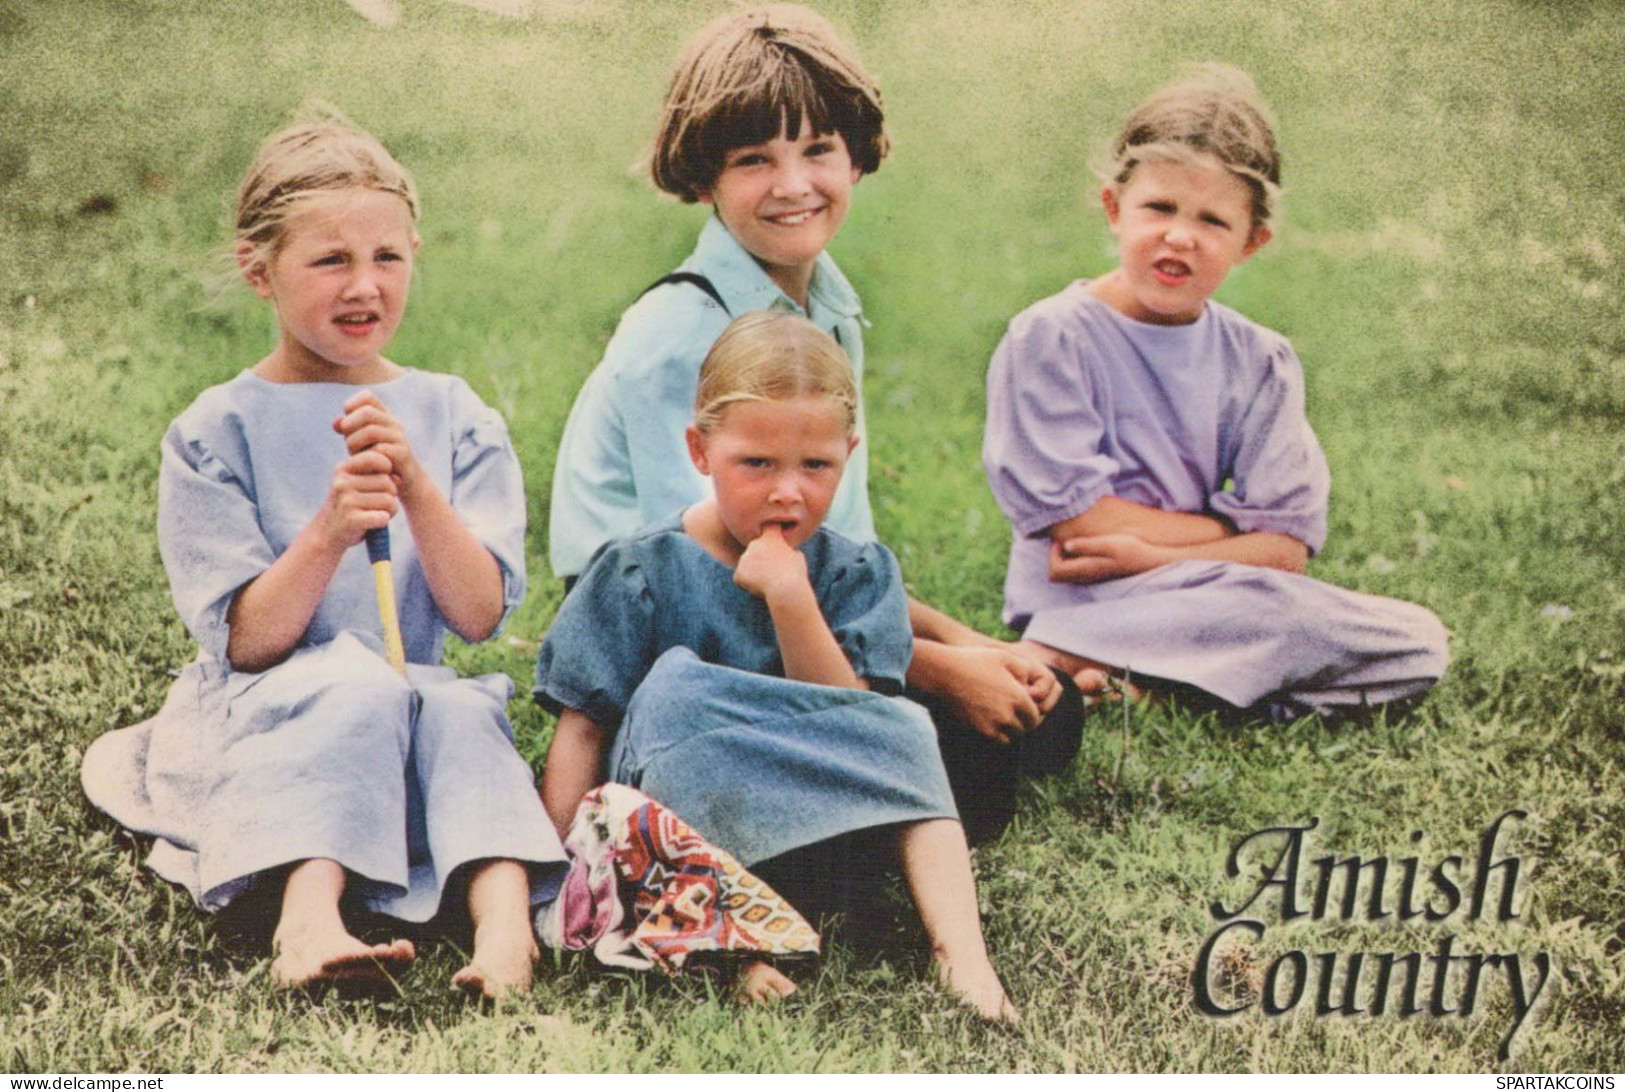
<point>1092,677</point>
<point>979,989</point>
<point>762,983</point>
<point>1098,682</point>
<point>503,959</point>
<point>307,956</point>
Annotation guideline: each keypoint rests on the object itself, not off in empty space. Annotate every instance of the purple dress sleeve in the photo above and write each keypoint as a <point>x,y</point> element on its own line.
<point>1280,482</point>
<point>1042,448</point>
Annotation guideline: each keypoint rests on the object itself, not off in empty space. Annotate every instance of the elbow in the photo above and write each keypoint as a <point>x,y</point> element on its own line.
<point>473,634</point>
<point>1294,557</point>
<point>478,625</point>
<point>251,661</point>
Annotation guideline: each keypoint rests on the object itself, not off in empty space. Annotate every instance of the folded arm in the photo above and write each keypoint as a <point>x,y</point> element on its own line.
<point>1114,515</point>
<point>1089,559</point>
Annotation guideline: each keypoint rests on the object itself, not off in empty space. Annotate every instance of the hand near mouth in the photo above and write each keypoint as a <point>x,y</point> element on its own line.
<point>770,567</point>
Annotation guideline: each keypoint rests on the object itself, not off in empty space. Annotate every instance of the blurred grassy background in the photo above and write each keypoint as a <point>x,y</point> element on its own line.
<point>1448,268</point>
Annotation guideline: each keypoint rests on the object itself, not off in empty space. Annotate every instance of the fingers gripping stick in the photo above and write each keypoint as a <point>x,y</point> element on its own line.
<point>383,574</point>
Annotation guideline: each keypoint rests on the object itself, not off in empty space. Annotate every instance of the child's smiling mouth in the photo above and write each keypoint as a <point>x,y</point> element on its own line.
<point>794,218</point>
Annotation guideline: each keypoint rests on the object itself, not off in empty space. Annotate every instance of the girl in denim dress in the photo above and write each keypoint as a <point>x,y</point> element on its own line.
<point>735,661</point>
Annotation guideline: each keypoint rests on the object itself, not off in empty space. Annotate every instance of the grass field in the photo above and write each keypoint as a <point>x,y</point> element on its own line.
<point>1449,269</point>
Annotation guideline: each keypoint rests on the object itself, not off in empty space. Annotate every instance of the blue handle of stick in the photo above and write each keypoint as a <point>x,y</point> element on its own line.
<point>378,545</point>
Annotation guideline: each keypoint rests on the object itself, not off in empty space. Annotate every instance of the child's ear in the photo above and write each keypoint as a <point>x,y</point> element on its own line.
<point>251,263</point>
<point>1108,201</point>
<point>851,446</point>
<point>696,449</point>
<point>1255,242</point>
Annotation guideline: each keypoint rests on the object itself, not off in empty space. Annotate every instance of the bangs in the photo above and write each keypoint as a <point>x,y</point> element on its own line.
<point>780,100</point>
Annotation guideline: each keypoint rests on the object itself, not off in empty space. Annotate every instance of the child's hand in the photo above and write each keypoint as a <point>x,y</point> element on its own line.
<point>999,692</point>
<point>770,566</point>
<point>363,497</point>
<point>367,425</point>
<point>1090,559</point>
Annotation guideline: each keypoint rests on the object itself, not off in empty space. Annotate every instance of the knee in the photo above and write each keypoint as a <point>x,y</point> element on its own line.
<point>459,713</point>
<point>1433,640</point>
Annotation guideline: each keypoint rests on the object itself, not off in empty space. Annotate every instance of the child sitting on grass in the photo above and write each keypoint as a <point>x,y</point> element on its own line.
<point>1151,451</point>
<point>771,120</point>
<point>290,753</point>
<point>735,661</point>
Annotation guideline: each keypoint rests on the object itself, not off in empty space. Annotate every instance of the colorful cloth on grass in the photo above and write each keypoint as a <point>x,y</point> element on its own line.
<point>682,895</point>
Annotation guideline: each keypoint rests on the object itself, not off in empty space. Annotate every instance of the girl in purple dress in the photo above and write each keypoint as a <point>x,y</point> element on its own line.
<point>1151,451</point>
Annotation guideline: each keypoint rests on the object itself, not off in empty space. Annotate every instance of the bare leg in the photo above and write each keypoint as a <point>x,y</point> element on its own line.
<point>311,943</point>
<point>1093,678</point>
<point>936,864</point>
<point>504,946</point>
<point>760,983</point>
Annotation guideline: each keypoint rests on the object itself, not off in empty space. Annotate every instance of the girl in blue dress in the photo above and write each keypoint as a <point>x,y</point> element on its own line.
<point>737,661</point>
<point>1151,451</point>
<point>290,752</point>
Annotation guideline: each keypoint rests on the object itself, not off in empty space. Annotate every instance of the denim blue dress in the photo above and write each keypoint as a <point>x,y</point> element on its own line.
<point>331,753</point>
<point>657,644</point>
<point>1084,403</point>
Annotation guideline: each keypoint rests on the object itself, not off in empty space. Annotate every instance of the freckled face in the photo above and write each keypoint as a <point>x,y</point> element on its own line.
<point>775,463</point>
<point>1181,228</point>
<point>339,283</point>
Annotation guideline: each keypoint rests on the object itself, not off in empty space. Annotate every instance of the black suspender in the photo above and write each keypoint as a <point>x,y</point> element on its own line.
<point>697,280</point>
<point>704,284</point>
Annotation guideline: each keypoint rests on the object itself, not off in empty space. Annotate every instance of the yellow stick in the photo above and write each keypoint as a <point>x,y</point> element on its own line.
<point>383,575</point>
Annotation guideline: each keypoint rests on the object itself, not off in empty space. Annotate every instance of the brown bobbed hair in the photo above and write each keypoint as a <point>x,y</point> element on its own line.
<point>752,74</point>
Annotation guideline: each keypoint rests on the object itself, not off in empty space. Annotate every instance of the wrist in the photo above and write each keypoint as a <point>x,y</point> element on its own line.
<point>411,486</point>
<point>932,665</point>
<point>322,537</point>
<point>790,593</point>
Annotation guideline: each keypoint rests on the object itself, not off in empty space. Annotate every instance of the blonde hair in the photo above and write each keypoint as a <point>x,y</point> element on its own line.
<point>751,74</point>
<point>1214,110</point>
<point>305,160</point>
<point>773,356</point>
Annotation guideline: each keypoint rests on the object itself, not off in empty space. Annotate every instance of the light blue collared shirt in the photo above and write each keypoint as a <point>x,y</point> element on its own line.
<point>623,462</point>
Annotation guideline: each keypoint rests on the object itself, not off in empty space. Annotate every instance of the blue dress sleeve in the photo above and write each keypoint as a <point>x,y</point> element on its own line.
<point>1043,448</point>
<point>209,532</point>
<point>864,602</point>
<point>488,490</point>
<point>602,642</point>
<point>1279,479</point>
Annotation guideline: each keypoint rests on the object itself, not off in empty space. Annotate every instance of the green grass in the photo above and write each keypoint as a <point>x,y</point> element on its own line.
<point>1448,268</point>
